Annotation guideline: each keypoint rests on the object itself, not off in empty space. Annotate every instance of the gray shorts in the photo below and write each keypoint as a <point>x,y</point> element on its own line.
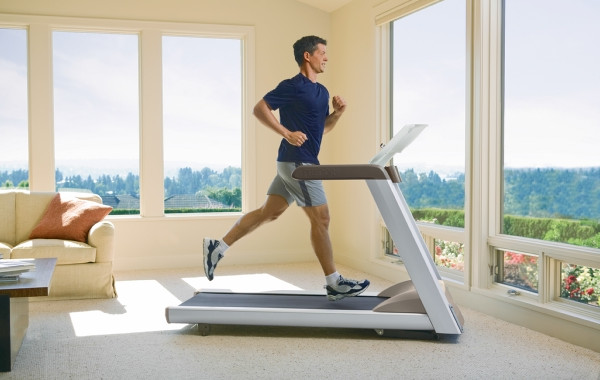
<point>305,193</point>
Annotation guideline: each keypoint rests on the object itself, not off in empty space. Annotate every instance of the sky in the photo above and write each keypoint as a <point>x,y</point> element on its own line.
<point>202,100</point>
<point>95,96</point>
<point>552,83</point>
<point>429,86</point>
<point>13,95</point>
<point>552,91</point>
<point>96,101</point>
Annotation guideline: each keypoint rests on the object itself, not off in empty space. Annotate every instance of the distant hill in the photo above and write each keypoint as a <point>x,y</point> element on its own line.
<point>542,193</point>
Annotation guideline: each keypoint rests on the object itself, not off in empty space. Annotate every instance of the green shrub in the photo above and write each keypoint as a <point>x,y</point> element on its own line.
<point>577,232</point>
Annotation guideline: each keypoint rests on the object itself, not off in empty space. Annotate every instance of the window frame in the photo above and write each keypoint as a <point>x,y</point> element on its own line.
<point>429,231</point>
<point>40,98</point>
<point>484,170</point>
<point>550,254</point>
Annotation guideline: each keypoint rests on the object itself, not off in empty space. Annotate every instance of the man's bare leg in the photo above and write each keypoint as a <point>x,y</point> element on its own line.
<point>319,236</point>
<point>337,287</point>
<point>213,250</point>
<point>273,207</point>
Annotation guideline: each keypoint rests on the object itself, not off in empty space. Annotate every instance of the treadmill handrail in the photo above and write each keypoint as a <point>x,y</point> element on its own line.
<point>340,172</point>
<point>398,143</point>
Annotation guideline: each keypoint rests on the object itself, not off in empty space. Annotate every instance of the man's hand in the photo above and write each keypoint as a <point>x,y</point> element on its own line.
<point>296,138</point>
<point>339,104</point>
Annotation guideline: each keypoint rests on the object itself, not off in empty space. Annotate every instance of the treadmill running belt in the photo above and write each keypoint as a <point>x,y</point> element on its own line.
<point>285,301</point>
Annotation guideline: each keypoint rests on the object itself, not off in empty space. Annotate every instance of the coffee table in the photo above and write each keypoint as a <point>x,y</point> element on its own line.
<point>14,308</point>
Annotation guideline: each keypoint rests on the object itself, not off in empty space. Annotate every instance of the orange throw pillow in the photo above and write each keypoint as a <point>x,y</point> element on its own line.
<point>69,219</point>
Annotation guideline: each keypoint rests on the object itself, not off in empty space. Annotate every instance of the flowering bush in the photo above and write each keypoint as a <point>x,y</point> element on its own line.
<point>581,284</point>
<point>521,270</point>
<point>449,254</point>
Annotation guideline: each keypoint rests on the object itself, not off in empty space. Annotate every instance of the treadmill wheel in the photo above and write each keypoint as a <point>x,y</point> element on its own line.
<point>203,329</point>
<point>408,334</point>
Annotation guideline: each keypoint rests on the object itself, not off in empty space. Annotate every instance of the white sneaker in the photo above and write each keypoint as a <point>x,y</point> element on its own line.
<point>346,288</point>
<point>212,255</point>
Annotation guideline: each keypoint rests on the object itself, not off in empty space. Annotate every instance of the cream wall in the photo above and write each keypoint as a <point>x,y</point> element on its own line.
<point>175,241</point>
<point>355,218</point>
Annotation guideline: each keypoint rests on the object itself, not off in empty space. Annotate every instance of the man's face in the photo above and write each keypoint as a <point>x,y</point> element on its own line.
<point>318,59</point>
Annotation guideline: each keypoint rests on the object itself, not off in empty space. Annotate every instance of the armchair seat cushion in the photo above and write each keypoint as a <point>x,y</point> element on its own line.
<point>65,251</point>
<point>5,250</point>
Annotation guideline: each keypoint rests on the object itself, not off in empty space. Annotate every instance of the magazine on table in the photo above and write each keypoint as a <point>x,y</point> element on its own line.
<point>9,278</point>
<point>10,269</point>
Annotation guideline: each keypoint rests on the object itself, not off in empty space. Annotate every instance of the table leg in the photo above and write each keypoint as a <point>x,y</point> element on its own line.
<point>14,320</point>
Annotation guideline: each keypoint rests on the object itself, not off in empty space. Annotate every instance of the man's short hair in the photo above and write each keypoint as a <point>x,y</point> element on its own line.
<point>307,43</point>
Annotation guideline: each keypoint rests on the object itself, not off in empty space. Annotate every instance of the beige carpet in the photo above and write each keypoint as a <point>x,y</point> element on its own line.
<point>128,338</point>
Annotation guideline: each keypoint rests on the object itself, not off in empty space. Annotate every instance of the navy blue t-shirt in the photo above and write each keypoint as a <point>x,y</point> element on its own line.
<point>303,106</point>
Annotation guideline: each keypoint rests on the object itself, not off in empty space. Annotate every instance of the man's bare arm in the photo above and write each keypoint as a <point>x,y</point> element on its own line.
<point>264,114</point>
<point>339,106</point>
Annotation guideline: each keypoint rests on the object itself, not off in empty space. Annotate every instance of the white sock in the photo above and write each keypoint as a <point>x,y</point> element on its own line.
<point>222,247</point>
<point>332,279</point>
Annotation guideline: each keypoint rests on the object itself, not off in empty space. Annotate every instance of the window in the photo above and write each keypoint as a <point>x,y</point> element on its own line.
<point>152,116</point>
<point>428,74</point>
<point>551,118</point>
<point>96,115</point>
<point>202,86</point>
<point>551,172</point>
<point>13,108</point>
<point>517,269</point>
<point>429,88</point>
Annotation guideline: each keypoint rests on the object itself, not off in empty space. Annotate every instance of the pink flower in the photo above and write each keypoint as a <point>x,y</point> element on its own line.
<point>515,258</point>
<point>571,279</point>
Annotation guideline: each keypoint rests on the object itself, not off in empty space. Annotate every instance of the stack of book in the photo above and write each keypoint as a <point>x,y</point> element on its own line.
<point>11,269</point>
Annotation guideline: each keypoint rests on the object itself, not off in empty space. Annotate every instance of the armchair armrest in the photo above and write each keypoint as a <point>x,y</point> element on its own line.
<point>102,237</point>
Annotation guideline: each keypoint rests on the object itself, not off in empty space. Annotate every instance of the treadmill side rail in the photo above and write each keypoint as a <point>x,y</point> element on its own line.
<point>366,319</point>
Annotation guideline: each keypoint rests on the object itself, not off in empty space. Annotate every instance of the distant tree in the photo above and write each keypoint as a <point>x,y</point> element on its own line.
<point>540,192</point>
<point>132,184</point>
<point>232,198</point>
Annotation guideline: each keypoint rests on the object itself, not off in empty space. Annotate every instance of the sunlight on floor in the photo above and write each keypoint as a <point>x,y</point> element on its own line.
<point>245,283</point>
<point>145,301</point>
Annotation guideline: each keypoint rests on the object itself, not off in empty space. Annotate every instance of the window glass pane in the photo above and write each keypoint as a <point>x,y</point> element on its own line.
<point>581,284</point>
<point>552,121</point>
<point>13,108</point>
<point>519,270</point>
<point>96,116</point>
<point>202,79</point>
<point>429,88</point>
<point>446,254</point>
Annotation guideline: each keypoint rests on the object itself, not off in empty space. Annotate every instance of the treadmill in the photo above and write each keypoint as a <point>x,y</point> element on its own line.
<point>421,307</point>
